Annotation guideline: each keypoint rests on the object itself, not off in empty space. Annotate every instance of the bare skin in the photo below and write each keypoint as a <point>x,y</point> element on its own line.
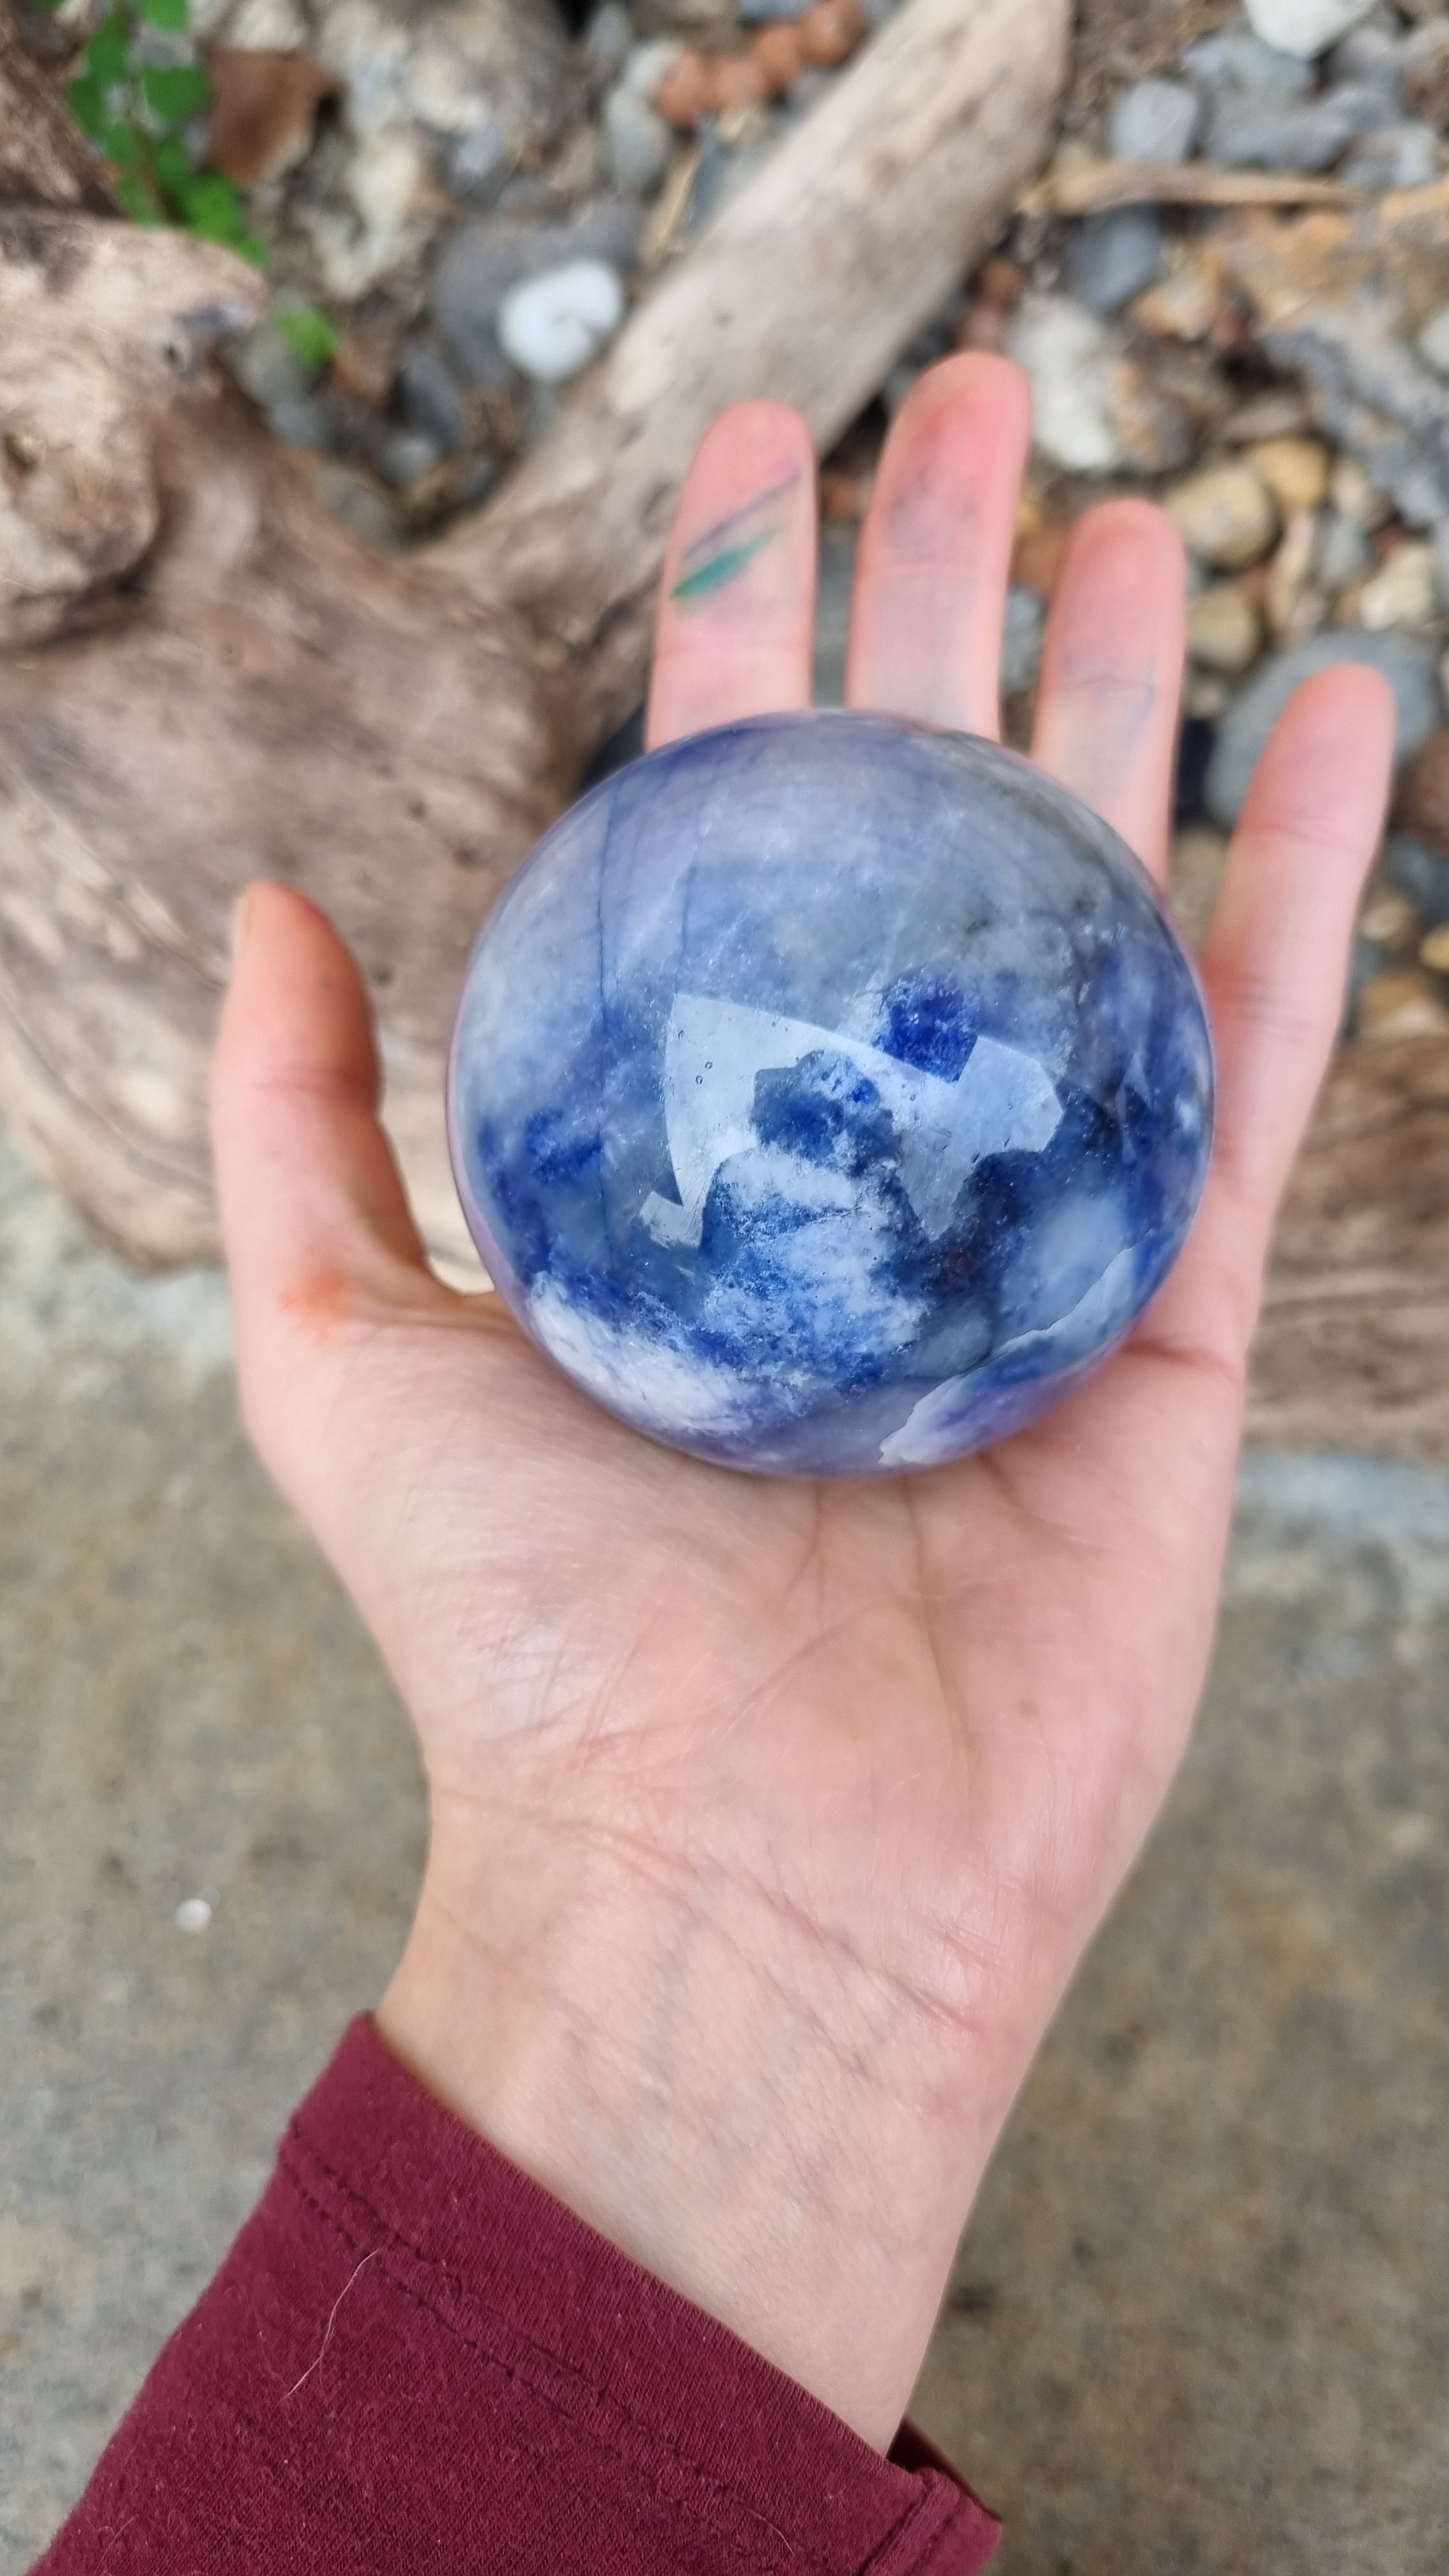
<point>769,1822</point>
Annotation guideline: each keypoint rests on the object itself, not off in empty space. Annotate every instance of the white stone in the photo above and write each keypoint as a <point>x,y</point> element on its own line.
<point>1071,359</point>
<point>385,182</point>
<point>1305,27</point>
<point>1404,591</point>
<point>552,326</point>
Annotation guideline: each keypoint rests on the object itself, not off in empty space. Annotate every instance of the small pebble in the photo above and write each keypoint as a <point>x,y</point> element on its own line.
<point>1296,470</point>
<point>1236,59</point>
<point>1422,806</point>
<point>480,164</point>
<point>1433,341</point>
<point>1405,589</point>
<point>553,326</point>
<point>1155,120</point>
<point>1226,516</point>
<point>431,402</point>
<point>1111,258</point>
<point>1280,414</point>
<point>1309,135</point>
<point>193,1914</point>
<point>1305,27</point>
<point>1402,1004</point>
<point>1198,856</point>
<point>1224,629</point>
<point>1422,874</point>
<point>1021,641</point>
<point>1292,606</point>
<point>609,38</point>
<point>1391,921</point>
<point>299,423</point>
<point>1374,54</point>
<point>1350,491</point>
<point>1405,661</point>
<point>266,366</point>
<point>406,457</point>
<point>638,145</point>
<point>1071,358</point>
<point>1395,156</point>
<point>1181,306</point>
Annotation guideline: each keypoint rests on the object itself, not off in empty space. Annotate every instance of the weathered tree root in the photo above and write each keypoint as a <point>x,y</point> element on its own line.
<point>209,679</point>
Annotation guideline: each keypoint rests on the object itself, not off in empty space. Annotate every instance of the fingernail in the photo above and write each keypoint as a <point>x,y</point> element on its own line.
<point>239,912</point>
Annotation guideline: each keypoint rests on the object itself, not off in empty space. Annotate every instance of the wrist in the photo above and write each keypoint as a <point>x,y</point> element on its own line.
<point>738,2105</point>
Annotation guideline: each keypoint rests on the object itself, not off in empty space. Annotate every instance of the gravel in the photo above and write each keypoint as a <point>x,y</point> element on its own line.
<point>1111,258</point>
<point>1155,120</point>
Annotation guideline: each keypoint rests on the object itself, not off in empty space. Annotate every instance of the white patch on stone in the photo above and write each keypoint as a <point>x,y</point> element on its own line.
<point>1095,1318</point>
<point>552,326</point>
<point>927,1437</point>
<point>1001,1103</point>
<point>632,1374</point>
<point>1305,27</point>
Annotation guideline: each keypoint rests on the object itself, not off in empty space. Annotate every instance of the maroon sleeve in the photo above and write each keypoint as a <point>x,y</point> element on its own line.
<point>413,2358</point>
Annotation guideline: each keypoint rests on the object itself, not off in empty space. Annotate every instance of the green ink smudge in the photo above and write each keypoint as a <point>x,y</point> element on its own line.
<point>716,570</point>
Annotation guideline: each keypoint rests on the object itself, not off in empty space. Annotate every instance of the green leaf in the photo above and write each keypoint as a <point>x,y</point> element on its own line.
<point>121,145</point>
<point>175,15</point>
<point>107,59</point>
<point>252,247</point>
<point>311,334</point>
<point>213,207</point>
<point>176,93</point>
<point>173,167</point>
<point>89,105</point>
<point>138,201</point>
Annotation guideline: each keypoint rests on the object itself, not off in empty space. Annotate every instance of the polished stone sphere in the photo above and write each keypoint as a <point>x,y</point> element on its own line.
<point>829,1094</point>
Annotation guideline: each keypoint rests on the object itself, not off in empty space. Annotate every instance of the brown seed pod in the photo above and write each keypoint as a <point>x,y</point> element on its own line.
<point>682,91</point>
<point>735,81</point>
<point>780,53</point>
<point>832,30</point>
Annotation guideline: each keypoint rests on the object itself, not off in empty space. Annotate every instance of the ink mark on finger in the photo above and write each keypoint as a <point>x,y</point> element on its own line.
<point>727,549</point>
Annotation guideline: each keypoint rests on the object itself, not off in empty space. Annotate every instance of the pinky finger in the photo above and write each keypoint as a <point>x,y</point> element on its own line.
<point>1275,966</point>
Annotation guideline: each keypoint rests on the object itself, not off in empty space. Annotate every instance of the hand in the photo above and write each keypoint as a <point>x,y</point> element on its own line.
<point>770,1821</point>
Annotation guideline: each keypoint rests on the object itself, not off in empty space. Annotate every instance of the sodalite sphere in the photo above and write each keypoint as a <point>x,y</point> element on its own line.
<point>829,1094</point>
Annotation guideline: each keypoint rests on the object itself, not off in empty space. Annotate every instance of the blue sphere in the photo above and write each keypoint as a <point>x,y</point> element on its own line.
<point>829,1094</point>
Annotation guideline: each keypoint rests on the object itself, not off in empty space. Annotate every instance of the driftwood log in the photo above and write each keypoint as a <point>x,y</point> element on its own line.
<point>208,679</point>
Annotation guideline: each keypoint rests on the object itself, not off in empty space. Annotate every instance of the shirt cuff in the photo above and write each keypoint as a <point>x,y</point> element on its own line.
<point>414,2357</point>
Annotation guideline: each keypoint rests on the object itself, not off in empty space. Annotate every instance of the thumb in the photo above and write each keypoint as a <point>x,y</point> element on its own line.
<point>315,1221</point>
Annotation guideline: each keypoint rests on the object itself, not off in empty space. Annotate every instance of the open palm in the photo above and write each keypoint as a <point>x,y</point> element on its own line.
<point>769,1820</point>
